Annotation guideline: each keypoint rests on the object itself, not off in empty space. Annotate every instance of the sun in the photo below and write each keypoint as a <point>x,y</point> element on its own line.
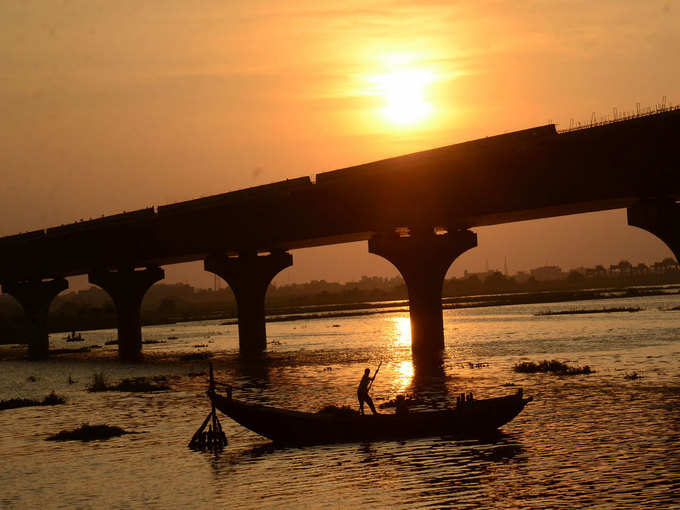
<point>404,95</point>
<point>402,89</point>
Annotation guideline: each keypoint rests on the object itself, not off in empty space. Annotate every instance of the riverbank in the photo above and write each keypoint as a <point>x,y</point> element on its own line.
<point>326,311</point>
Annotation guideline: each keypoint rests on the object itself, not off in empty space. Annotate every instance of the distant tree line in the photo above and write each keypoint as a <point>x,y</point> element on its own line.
<point>93,308</point>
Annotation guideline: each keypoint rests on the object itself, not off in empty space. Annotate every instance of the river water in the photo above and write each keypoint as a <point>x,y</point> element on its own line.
<point>600,440</point>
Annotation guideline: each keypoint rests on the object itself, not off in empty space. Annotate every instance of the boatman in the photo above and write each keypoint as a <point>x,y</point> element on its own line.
<point>362,391</point>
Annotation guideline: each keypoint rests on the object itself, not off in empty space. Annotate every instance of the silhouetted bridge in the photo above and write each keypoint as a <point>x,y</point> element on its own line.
<point>415,210</point>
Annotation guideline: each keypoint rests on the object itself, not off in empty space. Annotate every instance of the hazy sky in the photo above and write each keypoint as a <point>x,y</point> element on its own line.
<point>117,105</point>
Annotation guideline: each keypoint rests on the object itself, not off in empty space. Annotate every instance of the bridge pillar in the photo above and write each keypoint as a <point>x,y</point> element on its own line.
<point>127,288</point>
<point>423,259</point>
<point>35,297</point>
<point>249,275</point>
<point>660,217</point>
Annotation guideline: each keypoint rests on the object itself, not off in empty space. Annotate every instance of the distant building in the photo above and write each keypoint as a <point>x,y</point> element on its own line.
<point>482,276</point>
<point>548,273</point>
<point>522,277</point>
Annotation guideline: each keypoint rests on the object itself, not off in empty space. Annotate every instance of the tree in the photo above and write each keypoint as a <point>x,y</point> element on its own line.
<point>575,276</point>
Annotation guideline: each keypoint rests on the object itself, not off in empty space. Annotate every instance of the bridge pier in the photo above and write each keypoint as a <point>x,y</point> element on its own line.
<point>127,288</point>
<point>660,217</point>
<point>249,275</point>
<point>423,259</point>
<point>35,297</point>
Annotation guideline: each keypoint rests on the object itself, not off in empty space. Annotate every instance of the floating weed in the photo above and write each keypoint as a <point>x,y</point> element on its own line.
<point>98,382</point>
<point>629,309</point>
<point>133,385</point>
<point>632,376</point>
<point>552,367</point>
<point>88,432</point>
<point>50,400</point>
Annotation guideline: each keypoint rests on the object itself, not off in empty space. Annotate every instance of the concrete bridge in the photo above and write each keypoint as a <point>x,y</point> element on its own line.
<point>414,210</point>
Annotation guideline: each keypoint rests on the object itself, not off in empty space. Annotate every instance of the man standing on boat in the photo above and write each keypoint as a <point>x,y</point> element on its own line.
<point>362,391</point>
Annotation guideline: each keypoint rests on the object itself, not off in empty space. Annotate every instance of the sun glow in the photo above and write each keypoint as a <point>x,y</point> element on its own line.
<point>403,89</point>
<point>404,93</point>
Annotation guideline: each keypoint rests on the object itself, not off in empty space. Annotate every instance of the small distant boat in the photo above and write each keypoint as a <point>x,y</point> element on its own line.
<point>73,337</point>
<point>470,419</point>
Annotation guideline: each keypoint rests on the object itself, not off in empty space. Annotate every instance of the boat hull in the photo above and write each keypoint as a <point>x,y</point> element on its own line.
<point>477,418</point>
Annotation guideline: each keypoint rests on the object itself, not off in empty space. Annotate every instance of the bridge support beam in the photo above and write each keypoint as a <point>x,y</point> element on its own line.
<point>423,259</point>
<point>249,275</point>
<point>660,217</point>
<point>127,288</point>
<point>35,297</point>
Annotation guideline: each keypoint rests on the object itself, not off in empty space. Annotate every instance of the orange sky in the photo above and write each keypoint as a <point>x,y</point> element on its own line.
<point>111,106</point>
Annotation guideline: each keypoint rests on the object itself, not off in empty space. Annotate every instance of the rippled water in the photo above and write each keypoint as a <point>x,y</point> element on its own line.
<point>597,440</point>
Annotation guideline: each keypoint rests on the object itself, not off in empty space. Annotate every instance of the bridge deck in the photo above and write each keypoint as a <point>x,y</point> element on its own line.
<point>529,174</point>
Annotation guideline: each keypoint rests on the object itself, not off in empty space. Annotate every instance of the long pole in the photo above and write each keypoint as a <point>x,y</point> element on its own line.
<point>374,376</point>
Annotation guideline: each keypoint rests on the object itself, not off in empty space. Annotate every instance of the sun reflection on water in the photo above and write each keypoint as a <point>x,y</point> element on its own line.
<point>403,376</point>
<point>402,331</point>
<point>403,371</point>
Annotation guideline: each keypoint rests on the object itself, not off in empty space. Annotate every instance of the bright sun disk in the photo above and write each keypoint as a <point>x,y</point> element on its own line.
<point>405,95</point>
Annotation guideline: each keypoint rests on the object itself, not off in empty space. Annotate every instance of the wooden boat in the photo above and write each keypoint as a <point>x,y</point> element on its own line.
<point>470,419</point>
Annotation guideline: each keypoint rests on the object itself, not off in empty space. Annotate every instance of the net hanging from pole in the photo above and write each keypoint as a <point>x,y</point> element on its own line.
<point>209,436</point>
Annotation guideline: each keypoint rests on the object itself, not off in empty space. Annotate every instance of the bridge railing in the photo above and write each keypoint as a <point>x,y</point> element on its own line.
<point>625,116</point>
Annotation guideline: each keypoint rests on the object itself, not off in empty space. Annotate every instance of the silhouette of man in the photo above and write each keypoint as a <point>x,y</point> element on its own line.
<point>362,392</point>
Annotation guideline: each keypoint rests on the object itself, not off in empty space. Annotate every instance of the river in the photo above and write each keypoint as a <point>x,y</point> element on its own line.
<point>599,440</point>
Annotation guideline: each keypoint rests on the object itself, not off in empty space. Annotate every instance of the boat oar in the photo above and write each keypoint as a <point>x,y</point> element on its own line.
<point>214,439</point>
<point>374,376</point>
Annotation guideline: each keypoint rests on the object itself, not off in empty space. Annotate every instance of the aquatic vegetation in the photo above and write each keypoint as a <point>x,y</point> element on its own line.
<point>14,403</point>
<point>629,309</point>
<point>136,384</point>
<point>79,350</point>
<point>88,432</point>
<point>195,356</point>
<point>552,367</point>
<point>470,364</point>
<point>632,376</point>
<point>53,399</point>
<point>139,384</point>
<point>98,382</point>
